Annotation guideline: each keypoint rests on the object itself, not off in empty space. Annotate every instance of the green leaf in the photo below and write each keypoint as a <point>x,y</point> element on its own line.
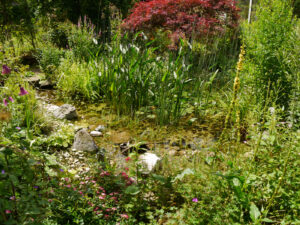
<point>236,182</point>
<point>267,220</point>
<point>65,144</point>
<point>254,212</point>
<point>159,178</point>
<point>180,176</point>
<point>132,190</point>
<point>51,161</point>
<point>14,179</point>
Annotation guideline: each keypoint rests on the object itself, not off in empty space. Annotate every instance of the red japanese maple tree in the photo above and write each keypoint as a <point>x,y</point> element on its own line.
<point>183,18</point>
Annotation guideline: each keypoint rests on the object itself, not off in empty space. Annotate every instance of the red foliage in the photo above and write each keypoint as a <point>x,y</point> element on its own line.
<point>183,18</point>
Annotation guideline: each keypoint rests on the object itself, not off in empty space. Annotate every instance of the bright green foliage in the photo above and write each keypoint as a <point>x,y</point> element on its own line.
<point>269,44</point>
<point>49,59</point>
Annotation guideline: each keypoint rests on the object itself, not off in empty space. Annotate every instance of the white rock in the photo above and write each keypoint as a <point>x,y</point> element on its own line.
<point>96,133</point>
<point>149,160</point>
<point>100,128</point>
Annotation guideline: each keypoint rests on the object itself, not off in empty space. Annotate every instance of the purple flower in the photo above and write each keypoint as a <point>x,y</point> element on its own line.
<point>5,70</point>
<point>5,102</point>
<point>12,198</point>
<point>3,171</point>
<point>61,170</point>
<point>11,99</point>
<point>18,128</point>
<point>36,187</point>
<point>22,91</point>
<point>195,200</point>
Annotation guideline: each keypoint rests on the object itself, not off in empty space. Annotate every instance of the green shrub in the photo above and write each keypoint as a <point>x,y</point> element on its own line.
<point>58,34</point>
<point>269,41</point>
<point>82,40</point>
<point>49,59</point>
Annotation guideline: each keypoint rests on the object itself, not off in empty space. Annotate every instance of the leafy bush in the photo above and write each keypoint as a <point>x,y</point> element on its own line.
<point>82,39</point>
<point>49,59</point>
<point>269,40</point>
<point>183,18</point>
<point>22,180</point>
<point>58,34</point>
<point>93,200</point>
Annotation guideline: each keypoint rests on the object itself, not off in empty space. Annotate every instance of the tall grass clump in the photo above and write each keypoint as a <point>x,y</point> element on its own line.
<point>269,42</point>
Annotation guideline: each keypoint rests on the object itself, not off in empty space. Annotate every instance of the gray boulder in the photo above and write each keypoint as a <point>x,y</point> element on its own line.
<point>65,111</point>
<point>84,142</point>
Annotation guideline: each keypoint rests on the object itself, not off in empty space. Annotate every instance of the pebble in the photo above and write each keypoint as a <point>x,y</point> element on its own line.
<point>100,128</point>
<point>96,134</point>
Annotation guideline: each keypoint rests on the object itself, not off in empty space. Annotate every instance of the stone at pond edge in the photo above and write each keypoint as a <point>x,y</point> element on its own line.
<point>100,128</point>
<point>96,133</point>
<point>34,80</point>
<point>84,142</point>
<point>45,84</point>
<point>149,161</point>
<point>66,111</point>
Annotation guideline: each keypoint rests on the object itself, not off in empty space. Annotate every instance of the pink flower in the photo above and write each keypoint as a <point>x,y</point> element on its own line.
<point>12,198</point>
<point>124,175</point>
<point>50,200</point>
<point>5,70</point>
<point>104,174</point>
<point>127,159</point>
<point>96,209</point>
<point>106,216</point>
<point>93,181</point>
<point>22,91</point>
<point>11,99</point>
<point>7,211</point>
<point>101,188</point>
<point>5,102</point>
<point>125,216</point>
<point>114,198</point>
<point>114,209</point>
<point>195,200</point>
<point>68,186</point>
<point>101,197</point>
